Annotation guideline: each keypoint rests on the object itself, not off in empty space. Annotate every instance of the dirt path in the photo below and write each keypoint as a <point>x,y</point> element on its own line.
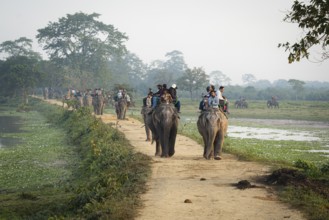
<point>179,178</point>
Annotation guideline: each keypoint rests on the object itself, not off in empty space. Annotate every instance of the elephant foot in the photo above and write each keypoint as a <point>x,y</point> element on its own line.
<point>165,156</point>
<point>158,155</point>
<point>148,139</point>
<point>205,157</point>
<point>217,157</point>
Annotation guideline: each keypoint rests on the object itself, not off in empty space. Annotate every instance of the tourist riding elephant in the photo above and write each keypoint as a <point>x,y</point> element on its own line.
<point>121,108</point>
<point>164,124</point>
<point>212,125</point>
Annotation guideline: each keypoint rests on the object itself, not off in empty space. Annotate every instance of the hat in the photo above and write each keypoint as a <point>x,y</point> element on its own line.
<point>174,86</point>
<point>221,87</point>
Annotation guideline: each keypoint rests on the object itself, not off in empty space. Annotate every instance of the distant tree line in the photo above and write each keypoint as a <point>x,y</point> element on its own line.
<point>84,53</point>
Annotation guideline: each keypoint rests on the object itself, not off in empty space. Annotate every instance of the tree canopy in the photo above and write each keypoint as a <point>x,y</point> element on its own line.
<point>19,47</point>
<point>19,74</point>
<point>82,43</point>
<point>313,18</point>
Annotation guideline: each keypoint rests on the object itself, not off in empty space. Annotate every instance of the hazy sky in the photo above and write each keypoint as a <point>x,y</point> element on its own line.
<point>235,37</point>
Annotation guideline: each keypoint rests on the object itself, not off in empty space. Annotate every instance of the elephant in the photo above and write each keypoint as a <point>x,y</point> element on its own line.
<point>121,108</point>
<point>164,124</point>
<point>146,114</point>
<point>87,100</point>
<point>241,104</point>
<point>212,125</point>
<point>98,102</point>
<point>272,104</point>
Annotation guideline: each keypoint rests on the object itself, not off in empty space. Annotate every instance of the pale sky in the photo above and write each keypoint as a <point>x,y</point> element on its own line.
<point>235,37</point>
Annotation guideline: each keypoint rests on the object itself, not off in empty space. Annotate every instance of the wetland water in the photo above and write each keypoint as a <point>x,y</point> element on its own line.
<point>9,125</point>
<point>278,130</point>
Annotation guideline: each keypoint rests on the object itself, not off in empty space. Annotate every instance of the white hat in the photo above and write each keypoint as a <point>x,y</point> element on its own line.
<point>174,86</point>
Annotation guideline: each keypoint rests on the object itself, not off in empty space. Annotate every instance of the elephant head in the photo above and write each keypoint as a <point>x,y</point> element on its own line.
<point>212,125</point>
<point>164,124</point>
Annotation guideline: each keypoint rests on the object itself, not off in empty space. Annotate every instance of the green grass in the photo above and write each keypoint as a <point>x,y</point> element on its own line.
<point>69,165</point>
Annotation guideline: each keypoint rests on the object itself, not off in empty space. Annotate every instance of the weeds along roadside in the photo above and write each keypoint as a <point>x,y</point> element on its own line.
<point>108,176</point>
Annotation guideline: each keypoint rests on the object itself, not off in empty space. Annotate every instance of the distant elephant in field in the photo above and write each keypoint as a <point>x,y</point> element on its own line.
<point>272,103</point>
<point>121,108</point>
<point>212,125</point>
<point>163,124</point>
<point>241,104</point>
<point>146,114</point>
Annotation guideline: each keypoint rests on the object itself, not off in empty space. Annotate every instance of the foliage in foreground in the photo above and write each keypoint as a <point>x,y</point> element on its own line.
<point>106,175</point>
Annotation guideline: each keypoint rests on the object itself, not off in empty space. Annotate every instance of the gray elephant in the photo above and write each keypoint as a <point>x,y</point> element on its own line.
<point>163,124</point>
<point>87,100</point>
<point>212,125</point>
<point>241,104</point>
<point>98,102</point>
<point>121,108</point>
<point>272,103</point>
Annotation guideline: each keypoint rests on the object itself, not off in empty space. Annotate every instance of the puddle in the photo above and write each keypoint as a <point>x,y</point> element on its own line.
<point>9,142</point>
<point>270,134</point>
<point>9,124</point>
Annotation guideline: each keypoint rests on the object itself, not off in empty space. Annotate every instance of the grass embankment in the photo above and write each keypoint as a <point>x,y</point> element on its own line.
<point>69,165</point>
<point>307,189</point>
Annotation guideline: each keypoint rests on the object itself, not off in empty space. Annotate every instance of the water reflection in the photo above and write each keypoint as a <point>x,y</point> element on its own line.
<point>9,124</point>
<point>270,134</point>
<point>9,142</point>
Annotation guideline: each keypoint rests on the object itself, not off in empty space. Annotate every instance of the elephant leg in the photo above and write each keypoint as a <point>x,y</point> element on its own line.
<point>172,141</point>
<point>158,151</point>
<point>219,142</point>
<point>204,146</point>
<point>209,144</point>
<point>124,113</point>
<point>147,131</point>
<point>164,137</point>
<point>102,109</point>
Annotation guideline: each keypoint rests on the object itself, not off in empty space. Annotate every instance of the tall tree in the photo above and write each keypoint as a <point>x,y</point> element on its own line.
<point>128,69</point>
<point>82,43</point>
<point>19,47</point>
<point>297,85</point>
<point>313,18</point>
<point>175,65</point>
<point>20,74</point>
<point>248,78</point>
<point>218,78</point>
<point>193,80</point>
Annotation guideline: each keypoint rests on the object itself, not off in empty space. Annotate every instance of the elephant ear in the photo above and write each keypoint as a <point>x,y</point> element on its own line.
<point>203,119</point>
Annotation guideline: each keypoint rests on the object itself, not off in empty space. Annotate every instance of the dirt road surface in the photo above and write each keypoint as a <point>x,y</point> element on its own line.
<point>206,184</point>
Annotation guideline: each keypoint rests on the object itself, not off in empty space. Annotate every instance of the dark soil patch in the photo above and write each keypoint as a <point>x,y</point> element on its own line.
<point>293,177</point>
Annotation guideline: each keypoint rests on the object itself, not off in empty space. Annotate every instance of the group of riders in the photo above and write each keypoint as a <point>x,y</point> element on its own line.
<point>91,97</point>
<point>163,95</point>
<point>213,99</point>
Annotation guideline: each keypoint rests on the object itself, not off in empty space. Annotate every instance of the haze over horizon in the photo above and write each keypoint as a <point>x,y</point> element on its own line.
<point>236,38</point>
